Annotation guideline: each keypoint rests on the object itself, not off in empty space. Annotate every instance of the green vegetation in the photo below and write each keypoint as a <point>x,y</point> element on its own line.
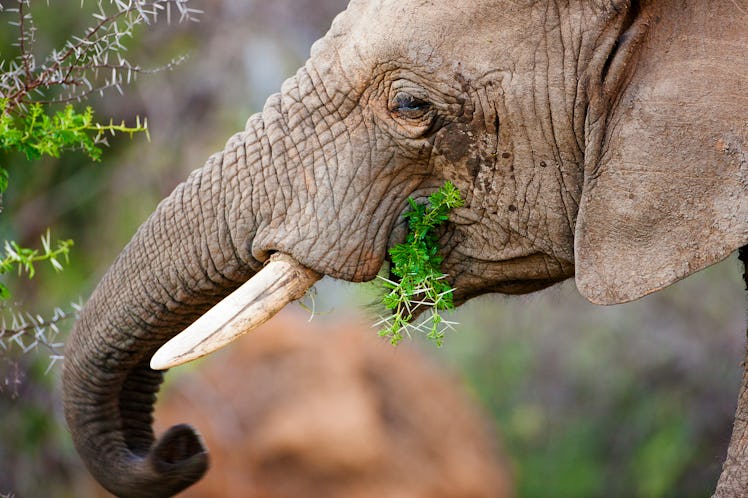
<point>40,113</point>
<point>34,132</point>
<point>29,92</point>
<point>24,259</point>
<point>417,265</point>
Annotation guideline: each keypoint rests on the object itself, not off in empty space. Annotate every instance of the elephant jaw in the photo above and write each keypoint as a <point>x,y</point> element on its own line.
<point>282,280</point>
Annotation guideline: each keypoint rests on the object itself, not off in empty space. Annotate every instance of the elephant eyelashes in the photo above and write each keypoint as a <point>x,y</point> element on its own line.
<point>407,106</point>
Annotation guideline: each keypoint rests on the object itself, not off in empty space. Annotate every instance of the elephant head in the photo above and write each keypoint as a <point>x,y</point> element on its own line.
<point>600,139</point>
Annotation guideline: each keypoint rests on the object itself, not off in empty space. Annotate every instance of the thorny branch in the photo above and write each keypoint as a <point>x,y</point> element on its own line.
<point>82,66</point>
<point>26,331</point>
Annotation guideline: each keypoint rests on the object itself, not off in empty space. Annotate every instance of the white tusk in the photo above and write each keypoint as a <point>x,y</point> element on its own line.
<point>282,280</point>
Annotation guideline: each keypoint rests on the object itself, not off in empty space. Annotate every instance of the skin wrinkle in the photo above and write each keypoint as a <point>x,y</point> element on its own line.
<point>578,114</point>
<point>184,256</point>
<point>234,207</point>
<point>392,182</point>
<point>321,159</point>
<point>264,151</point>
<point>196,206</point>
<point>331,159</point>
<point>599,101</point>
<point>333,115</point>
<point>319,86</point>
<point>151,300</point>
<point>569,88</point>
<point>208,226</point>
<point>298,146</point>
<point>543,220</point>
<point>571,214</point>
<point>534,222</point>
<point>567,43</point>
<point>497,144</point>
<point>342,135</point>
<point>291,201</point>
<point>349,185</point>
<point>529,221</point>
<point>269,165</point>
<point>351,196</point>
<point>553,116</point>
<point>342,73</point>
<point>592,59</point>
<point>319,171</point>
<point>549,102</point>
<point>361,248</point>
<point>330,162</point>
<point>283,200</point>
<point>244,218</point>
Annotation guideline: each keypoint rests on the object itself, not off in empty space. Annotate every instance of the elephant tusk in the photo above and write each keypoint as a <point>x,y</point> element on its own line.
<point>282,280</point>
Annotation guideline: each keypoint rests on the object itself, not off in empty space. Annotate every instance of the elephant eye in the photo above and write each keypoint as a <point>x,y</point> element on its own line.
<point>409,107</point>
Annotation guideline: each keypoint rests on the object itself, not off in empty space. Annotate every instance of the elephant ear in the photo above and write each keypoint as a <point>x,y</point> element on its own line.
<point>666,184</point>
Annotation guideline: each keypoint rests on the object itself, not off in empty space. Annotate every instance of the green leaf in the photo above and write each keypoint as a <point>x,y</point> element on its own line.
<point>417,264</point>
<point>4,292</point>
<point>3,179</point>
<point>36,134</point>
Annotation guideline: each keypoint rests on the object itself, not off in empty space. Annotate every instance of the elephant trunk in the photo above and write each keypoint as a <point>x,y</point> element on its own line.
<point>192,251</point>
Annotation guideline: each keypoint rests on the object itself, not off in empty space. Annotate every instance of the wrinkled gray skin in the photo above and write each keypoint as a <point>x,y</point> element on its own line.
<point>604,140</point>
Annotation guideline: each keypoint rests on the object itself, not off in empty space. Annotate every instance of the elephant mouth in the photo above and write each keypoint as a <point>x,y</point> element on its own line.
<point>472,276</point>
<point>515,287</point>
<point>285,279</point>
<point>282,280</point>
<point>399,228</point>
<point>506,287</point>
<point>519,275</point>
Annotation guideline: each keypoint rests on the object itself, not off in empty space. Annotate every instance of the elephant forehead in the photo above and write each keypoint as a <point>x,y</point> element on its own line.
<point>426,33</point>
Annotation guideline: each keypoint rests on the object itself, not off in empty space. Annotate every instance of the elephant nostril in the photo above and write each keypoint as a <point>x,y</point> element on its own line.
<point>178,444</point>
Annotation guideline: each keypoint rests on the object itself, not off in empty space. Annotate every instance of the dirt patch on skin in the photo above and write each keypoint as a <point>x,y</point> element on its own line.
<point>328,410</point>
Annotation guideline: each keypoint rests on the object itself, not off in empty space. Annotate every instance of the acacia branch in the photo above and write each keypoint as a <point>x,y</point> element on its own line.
<point>77,65</point>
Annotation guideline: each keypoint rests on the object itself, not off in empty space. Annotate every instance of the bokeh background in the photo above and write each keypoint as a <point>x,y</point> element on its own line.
<point>585,401</point>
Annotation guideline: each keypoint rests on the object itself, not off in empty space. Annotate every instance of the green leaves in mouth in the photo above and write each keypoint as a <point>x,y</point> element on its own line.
<point>416,266</point>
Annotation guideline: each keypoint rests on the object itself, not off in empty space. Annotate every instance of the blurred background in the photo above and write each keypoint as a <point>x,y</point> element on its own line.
<point>579,400</point>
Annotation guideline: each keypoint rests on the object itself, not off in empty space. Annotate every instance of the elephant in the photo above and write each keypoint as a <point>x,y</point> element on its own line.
<point>600,140</point>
